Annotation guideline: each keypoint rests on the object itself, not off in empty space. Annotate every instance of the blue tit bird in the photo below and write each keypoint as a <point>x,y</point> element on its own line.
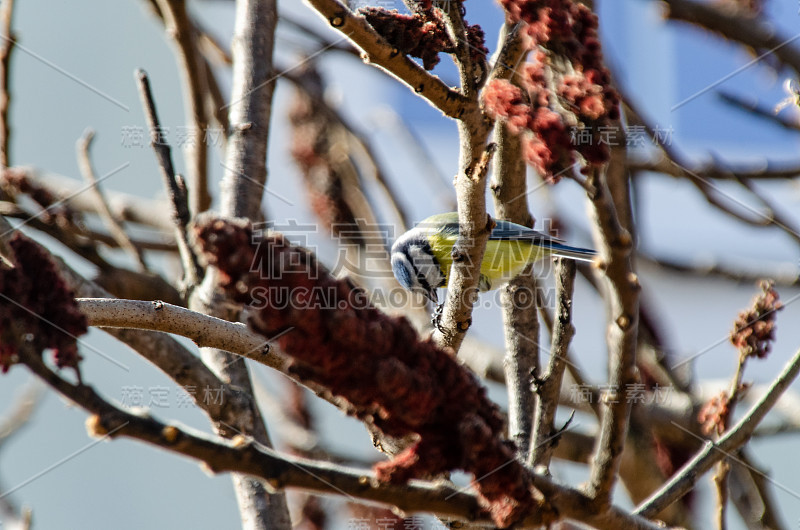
<point>421,258</point>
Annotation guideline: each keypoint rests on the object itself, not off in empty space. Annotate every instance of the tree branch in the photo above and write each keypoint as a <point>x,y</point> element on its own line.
<point>519,301</point>
<point>131,208</point>
<point>242,455</point>
<point>378,52</point>
<point>114,226</point>
<point>754,108</point>
<point>754,33</point>
<point>788,277</point>
<point>545,438</point>
<point>206,331</point>
<point>614,244</point>
<point>192,66</point>
<point>6,47</point>
<point>684,479</point>
<point>242,188</point>
<point>713,195</point>
<point>173,184</point>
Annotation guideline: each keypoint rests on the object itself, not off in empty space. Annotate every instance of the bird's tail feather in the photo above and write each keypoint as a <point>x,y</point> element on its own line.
<point>576,253</point>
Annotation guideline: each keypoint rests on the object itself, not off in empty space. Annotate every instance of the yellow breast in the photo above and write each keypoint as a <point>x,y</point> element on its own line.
<point>502,261</point>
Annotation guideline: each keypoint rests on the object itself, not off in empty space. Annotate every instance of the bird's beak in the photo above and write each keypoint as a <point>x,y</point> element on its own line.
<point>433,295</point>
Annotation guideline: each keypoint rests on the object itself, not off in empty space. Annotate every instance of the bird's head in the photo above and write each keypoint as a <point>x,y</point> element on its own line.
<point>415,266</point>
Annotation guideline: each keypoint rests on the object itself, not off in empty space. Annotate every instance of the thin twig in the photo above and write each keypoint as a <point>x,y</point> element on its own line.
<point>216,106</point>
<point>441,185</point>
<point>322,41</point>
<point>753,32</point>
<point>191,63</point>
<point>787,277</point>
<point>9,209</point>
<point>126,207</point>
<point>684,479</point>
<point>760,506</point>
<point>20,412</point>
<point>549,385</point>
<point>6,47</point>
<point>705,185</point>
<point>175,188</point>
<point>754,108</point>
<point>15,419</point>
<point>765,170</point>
<point>775,216</point>
<point>112,223</point>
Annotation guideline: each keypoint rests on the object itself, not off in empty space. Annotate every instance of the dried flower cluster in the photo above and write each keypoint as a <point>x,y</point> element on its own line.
<point>320,150</point>
<point>18,181</point>
<point>754,329</point>
<point>714,414</point>
<point>753,333</point>
<point>393,380</point>
<point>422,33</point>
<point>564,90</point>
<point>37,306</point>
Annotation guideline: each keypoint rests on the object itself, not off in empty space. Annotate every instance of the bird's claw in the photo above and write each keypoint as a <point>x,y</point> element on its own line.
<point>436,317</point>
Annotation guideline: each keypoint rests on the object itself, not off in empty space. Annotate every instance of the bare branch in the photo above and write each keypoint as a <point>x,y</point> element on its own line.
<point>378,52</point>
<point>206,331</point>
<point>511,53</point>
<point>6,47</point>
<point>19,413</point>
<point>754,501</point>
<point>475,225</point>
<point>788,277</point>
<point>313,90</point>
<point>713,195</point>
<point>163,351</point>
<point>754,108</point>
<point>192,66</point>
<point>242,455</point>
<point>114,226</point>
<point>519,302</point>
<point>767,170</point>
<point>130,208</point>
<point>614,244</point>
<point>574,370</point>
<point>242,188</point>
<point>684,479</point>
<point>15,418</point>
<point>545,438</point>
<point>322,42</point>
<point>755,33</point>
<point>176,189</point>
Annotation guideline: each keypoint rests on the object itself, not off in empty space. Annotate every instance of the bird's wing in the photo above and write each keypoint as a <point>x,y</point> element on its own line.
<point>447,223</point>
<point>507,231</point>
